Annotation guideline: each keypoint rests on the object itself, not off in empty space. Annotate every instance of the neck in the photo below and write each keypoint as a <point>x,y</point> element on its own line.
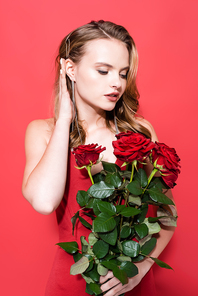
<point>90,117</point>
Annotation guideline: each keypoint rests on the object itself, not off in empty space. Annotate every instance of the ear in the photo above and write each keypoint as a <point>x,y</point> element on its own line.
<point>70,69</point>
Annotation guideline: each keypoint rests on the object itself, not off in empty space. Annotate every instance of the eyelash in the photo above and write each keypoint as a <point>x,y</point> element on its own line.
<point>106,72</point>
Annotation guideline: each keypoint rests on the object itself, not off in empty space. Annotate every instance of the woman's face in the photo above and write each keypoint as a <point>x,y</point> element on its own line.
<point>101,74</point>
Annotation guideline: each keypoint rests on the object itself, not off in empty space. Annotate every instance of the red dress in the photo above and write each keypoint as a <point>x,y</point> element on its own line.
<point>60,282</point>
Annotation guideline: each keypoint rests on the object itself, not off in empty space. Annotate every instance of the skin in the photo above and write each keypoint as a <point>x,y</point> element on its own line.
<point>102,70</point>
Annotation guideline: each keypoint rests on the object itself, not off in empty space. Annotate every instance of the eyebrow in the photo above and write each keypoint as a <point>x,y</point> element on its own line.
<point>110,66</point>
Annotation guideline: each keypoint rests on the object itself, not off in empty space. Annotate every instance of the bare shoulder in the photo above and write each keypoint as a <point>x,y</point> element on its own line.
<point>40,129</point>
<point>149,126</point>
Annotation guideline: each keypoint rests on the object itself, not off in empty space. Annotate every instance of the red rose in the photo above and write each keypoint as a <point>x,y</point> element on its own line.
<point>86,154</point>
<point>132,146</point>
<point>167,162</point>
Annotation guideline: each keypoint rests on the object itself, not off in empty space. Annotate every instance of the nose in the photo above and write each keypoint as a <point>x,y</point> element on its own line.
<point>116,81</point>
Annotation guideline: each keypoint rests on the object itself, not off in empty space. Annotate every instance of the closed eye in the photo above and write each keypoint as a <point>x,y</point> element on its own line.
<point>103,72</point>
<point>124,76</point>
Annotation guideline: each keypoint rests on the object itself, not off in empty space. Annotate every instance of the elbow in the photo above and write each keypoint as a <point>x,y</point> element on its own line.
<point>43,207</point>
<point>39,203</point>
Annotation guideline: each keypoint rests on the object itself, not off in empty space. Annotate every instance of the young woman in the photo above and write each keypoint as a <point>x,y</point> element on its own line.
<point>95,92</point>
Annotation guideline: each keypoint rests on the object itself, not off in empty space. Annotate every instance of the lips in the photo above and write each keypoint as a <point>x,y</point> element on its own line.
<point>112,96</point>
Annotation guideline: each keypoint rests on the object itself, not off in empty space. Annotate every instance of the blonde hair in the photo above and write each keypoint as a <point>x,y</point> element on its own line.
<point>74,46</point>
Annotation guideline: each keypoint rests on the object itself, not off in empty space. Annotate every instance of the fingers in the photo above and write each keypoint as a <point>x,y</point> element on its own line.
<point>108,282</point>
<point>106,277</point>
<point>62,80</point>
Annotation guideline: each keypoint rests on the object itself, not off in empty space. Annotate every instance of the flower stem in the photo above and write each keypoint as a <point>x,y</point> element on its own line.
<point>154,171</point>
<point>152,174</point>
<point>132,171</point>
<point>89,173</point>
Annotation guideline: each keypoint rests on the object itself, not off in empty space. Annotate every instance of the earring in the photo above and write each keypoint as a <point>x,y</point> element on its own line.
<point>115,122</point>
<point>75,110</point>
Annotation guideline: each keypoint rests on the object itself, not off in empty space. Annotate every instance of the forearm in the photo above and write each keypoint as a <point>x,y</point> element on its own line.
<point>163,239</point>
<point>45,185</point>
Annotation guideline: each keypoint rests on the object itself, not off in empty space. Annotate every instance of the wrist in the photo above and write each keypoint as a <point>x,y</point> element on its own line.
<point>63,121</point>
<point>144,266</point>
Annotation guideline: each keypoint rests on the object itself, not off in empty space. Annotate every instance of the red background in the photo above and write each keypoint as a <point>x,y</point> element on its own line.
<point>166,36</point>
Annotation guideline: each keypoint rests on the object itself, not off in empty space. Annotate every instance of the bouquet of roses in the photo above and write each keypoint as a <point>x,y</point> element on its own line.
<point>117,203</point>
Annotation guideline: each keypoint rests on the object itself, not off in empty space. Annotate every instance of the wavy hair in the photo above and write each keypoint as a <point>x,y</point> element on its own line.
<point>128,104</point>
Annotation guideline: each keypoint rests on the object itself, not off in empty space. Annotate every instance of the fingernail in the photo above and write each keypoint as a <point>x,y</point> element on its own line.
<point>61,61</point>
<point>61,71</point>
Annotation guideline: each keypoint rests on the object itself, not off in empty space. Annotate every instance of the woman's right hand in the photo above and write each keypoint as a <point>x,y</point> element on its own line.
<point>46,147</point>
<point>66,108</point>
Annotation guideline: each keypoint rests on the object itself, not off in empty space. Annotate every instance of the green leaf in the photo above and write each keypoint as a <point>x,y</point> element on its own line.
<point>168,218</point>
<point>119,244</point>
<point>134,187</point>
<point>104,223</point>
<point>129,211</point>
<point>119,208</point>
<point>80,266</point>
<point>87,279</point>
<point>106,207</point>
<point>142,177</point>
<point>89,215</point>
<point>148,247</point>
<point>101,269</point>
<point>130,268</point>
<point>92,239</point>
<point>152,227</point>
<point>91,262</point>
<point>98,177</point>
<point>158,196</point>
<point>131,248</point>
<point>82,198</point>
<point>111,264</point>
<point>90,203</point>
<point>141,230</point>
<point>83,241</point>
<point>101,190</point>
<point>124,258</point>
<point>125,232</point>
<point>145,239</point>
<point>73,221</point>
<point>95,288</point>
<point>114,179</point>
<point>108,257</point>
<point>135,200</point>
<point>77,257</point>
<point>154,219</point>
<point>84,244</point>
<point>144,210</point>
<point>115,249</point>
<point>110,167</point>
<point>85,223</point>
<point>69,247</point>
<point>88,290</point>
<point>95,206</point>
<point>156,183</point>
<point>110,237</point>
<point>100,249</point>
<point>119,274</point>
<point>161,263</point>
<point>146,198</point>
<point>138,258</point>
<point>93,274</point>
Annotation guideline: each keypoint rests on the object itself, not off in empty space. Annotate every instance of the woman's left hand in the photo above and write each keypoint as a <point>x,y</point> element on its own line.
<point>116,288</point>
